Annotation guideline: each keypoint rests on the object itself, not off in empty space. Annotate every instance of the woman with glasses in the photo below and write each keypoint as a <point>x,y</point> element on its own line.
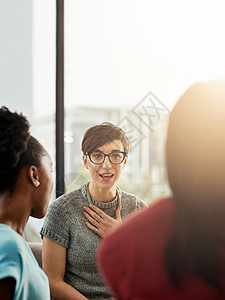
<point>78,220</point>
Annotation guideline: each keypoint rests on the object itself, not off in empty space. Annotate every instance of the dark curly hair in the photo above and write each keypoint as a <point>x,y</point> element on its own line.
<point>99,135</point>
<point>17,147</point>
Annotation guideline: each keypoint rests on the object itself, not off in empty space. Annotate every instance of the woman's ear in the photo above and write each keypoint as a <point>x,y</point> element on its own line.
<point>85,161</point>
<point>33,176</point>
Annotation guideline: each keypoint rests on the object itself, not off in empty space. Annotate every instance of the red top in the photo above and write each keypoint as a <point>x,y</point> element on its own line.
<point>131,259</point>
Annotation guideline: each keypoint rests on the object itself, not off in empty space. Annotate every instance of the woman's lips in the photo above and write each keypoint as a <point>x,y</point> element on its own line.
<point>106,176</point>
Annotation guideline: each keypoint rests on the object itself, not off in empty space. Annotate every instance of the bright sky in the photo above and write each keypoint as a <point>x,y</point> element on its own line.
<point>116,51</point>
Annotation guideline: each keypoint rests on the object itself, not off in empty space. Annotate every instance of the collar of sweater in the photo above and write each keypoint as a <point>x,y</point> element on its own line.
<point>114,202</point>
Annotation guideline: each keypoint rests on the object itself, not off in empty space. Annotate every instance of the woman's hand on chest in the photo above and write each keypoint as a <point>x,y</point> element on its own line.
<point>100,222</point>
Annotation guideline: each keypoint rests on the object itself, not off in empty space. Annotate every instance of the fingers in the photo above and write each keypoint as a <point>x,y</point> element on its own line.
<point>90,214</point>
<point>94,221</point>
<point>98,211</point>
<point>99,222</point>
<point>90,219</point>
<point>94,229</point>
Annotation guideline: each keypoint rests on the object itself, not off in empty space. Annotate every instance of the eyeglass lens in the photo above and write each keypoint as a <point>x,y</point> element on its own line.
<point>98,157</point>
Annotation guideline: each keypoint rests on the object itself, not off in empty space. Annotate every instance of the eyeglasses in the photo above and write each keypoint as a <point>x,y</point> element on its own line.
<point>115,158</point>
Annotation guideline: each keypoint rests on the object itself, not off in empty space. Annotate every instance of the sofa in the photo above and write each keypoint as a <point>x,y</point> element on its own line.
<point>36,248</point>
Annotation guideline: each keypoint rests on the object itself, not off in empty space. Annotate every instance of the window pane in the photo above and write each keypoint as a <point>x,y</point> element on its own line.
<point>27,77</point>
<point>127,62</point>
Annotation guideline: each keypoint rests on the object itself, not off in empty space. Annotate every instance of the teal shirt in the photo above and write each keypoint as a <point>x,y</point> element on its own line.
<point>17,261</point>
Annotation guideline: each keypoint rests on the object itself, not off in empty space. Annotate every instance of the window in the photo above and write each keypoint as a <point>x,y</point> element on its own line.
<point>27,77</point>
<point>126,62</point>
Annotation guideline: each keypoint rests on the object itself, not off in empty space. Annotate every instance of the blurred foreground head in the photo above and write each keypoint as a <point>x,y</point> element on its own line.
<point>195,149</point>
<point>195,154</point>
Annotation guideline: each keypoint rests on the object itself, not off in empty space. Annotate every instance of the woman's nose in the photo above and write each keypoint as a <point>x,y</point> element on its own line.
<point>106,162</point>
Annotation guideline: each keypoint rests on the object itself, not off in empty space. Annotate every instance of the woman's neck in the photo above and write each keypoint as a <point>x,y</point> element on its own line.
<point>13,214</point>
<point>101,195</point>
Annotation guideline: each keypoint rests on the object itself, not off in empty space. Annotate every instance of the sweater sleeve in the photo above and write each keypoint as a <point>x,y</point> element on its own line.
<point>140,203</point>
<point>56,223</point>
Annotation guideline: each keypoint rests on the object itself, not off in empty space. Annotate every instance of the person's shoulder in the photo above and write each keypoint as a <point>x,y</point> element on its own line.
<point>7,234</point>
<point>162,205</point>
<point>157,209</point>
<point>66,200</point>
<point>132,199</point>
<point>127,195</point>
<point>10,241</point>
<point>161,211</point>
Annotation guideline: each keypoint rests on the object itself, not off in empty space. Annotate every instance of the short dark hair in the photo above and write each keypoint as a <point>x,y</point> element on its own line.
<point>17,147</point>
<point>99,135</point>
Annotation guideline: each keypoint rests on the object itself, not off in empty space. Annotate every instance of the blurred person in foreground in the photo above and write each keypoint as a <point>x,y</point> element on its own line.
<point>77,221</point>
<point>175,249</point>
<point>25,188</point>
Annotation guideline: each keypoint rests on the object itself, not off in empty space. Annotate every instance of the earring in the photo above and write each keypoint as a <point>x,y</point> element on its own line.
<point>37,183</point>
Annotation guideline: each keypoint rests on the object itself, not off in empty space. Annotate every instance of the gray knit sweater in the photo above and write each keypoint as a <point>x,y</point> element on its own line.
<point>65,224</point>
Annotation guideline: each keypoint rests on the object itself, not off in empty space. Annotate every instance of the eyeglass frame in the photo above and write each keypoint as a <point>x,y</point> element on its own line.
<point>123,152</point>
